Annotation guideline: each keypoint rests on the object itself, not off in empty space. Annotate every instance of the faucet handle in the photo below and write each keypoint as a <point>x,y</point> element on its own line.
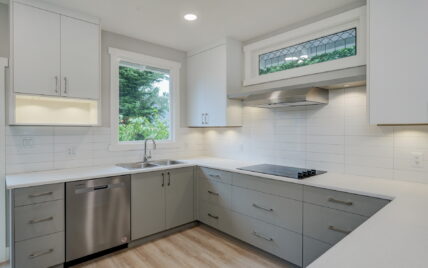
<point>149,154</point>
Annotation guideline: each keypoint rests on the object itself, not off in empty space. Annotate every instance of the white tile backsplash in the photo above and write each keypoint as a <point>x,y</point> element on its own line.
<point>335,137</point>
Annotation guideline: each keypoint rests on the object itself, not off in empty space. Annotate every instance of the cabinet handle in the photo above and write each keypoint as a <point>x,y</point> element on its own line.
<point>214,176</point>
<point>212,216</point>
<point>213,193</point>
<point>262,236</point>
<point>41,220</point>
<point>65,85</point>
<point>169,179</point>
<point>56,84</point>
<point>206,118</point>
<point>347,203</point>
<point>262,208</point>
<point>163,179</point>
<point>331,227</point>
<point>40,194</point>
<point>41,253</point>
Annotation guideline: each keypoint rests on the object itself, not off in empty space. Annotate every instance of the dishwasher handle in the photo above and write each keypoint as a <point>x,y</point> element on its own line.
<point>83,190</point>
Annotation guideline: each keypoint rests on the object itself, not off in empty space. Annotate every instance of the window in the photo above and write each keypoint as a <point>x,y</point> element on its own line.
<point>335,46</point>
<point>142,98</point>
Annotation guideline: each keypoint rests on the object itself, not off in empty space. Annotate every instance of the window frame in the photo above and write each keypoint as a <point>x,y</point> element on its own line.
<point>118,55</point>
<point>355,18</point>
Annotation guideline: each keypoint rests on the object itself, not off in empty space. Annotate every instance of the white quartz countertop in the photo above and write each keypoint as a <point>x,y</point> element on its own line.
<point>396,236</point>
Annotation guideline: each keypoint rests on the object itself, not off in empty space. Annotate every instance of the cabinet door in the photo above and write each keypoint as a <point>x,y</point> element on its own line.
<point>36,50</point>
<point>147,204</point>
<point>398,38</point>
<point>80,62</point>
<point>179,197</point>
<point>207,87</point>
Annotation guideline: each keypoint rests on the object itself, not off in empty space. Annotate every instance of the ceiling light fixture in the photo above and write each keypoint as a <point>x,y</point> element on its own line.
<point>190,17</point>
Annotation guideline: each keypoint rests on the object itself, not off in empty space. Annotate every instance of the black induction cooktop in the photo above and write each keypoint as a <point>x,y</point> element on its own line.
<point>283,171</point>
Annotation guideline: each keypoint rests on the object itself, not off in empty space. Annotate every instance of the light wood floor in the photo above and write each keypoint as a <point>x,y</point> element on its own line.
<point>197,247</point>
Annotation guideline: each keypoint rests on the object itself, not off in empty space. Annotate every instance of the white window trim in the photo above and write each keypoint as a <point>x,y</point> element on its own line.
<point>117,55</point>
<point>355,18</point>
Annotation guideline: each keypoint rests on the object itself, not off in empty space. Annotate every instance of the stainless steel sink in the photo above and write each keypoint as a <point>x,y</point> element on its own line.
<point>166,162</point>
<point>139,165</point>
<point>151,164</point>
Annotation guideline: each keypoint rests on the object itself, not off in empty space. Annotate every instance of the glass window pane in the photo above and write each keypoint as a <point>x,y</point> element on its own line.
<point>335,46</point>
<point>144,103</point>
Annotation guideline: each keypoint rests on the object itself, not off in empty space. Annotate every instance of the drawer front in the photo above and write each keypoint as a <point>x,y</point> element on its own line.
<point>284,189</point>
<point>328,225</point>
<point>214,216</point>
<point>283,212</point>
<point>277,241</point>
<point>214,192</point>
<point>39,219</point>
<point>215,174</point>
<point>41,252</point>
<point>358,204</point>
<point>312,249</point>
<point>38,194</point>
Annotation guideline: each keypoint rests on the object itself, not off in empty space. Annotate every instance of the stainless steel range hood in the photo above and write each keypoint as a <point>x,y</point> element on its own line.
<point>288,97</point>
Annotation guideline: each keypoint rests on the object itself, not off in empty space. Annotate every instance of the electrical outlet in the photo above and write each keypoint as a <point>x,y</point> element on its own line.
<point>27,142</point>
<point>71,151</point>
<point>417,159</point>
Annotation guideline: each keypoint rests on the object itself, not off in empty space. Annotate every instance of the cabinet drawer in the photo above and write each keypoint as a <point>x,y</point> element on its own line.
<point>312,249</point>
<point>214,216</point>
<point>275,240</point>
<point>38,194</point>
<point>215,174</point>
<point>353,203</point>
<point>273,209</point>
<point>284,189</point>
<point>39,219</point>
<point>328,225</point>
<point>214,192</point>
<point>41,252</point>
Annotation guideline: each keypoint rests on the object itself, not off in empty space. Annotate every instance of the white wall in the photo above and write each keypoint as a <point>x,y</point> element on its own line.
<point>335,137</point>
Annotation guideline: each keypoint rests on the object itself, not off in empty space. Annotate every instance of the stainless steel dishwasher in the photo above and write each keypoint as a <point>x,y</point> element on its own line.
<point>97,215</point>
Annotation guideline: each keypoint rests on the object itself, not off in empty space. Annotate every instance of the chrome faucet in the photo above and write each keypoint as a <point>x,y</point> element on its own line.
<point>147,157</point>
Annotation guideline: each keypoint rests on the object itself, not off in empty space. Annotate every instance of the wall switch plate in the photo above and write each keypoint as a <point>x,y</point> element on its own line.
<point>27,142</point>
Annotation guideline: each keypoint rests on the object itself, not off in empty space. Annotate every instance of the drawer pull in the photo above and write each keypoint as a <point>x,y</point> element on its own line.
<point>263,208</point>
<point>347,203</point>
<point>331,227</point>
<point>213,193</point>
<point>262,236</point>
<point>41,253</point>
<point>40,194</point>
<point>40,220</point>
<point>212,216</point>
<point>214,176</point>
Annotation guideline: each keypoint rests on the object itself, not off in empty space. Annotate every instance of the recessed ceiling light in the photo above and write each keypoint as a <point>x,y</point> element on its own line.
<point>190,17</point>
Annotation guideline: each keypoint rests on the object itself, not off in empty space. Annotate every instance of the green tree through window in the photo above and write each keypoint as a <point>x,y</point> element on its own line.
<point>144,104</point>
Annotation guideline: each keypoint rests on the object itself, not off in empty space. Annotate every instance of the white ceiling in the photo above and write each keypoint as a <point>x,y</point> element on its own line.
<point>161,21</point>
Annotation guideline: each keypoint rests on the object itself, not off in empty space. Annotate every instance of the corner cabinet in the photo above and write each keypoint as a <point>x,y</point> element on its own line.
<point>398,37</point>
<point>55,60</point>
<point>212,73</point>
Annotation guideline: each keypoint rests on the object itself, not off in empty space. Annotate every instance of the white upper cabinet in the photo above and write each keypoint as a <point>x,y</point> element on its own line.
<point>397,71</point>
<point>80,58</point>
<point>212,73</point>
<point>54,53</point>
<point>36,50</point>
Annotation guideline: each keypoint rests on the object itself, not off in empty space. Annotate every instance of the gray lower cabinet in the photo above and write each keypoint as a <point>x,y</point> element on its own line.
<point>37,229</point>
<point>161,200</point>
<point>312,249</point>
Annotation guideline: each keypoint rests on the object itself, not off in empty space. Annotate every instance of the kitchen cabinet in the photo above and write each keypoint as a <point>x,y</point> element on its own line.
<point>36,50</point>
<point>161,200</point>
<point>398,37</point>
<point>54,54</point>
<point>212,73</point>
